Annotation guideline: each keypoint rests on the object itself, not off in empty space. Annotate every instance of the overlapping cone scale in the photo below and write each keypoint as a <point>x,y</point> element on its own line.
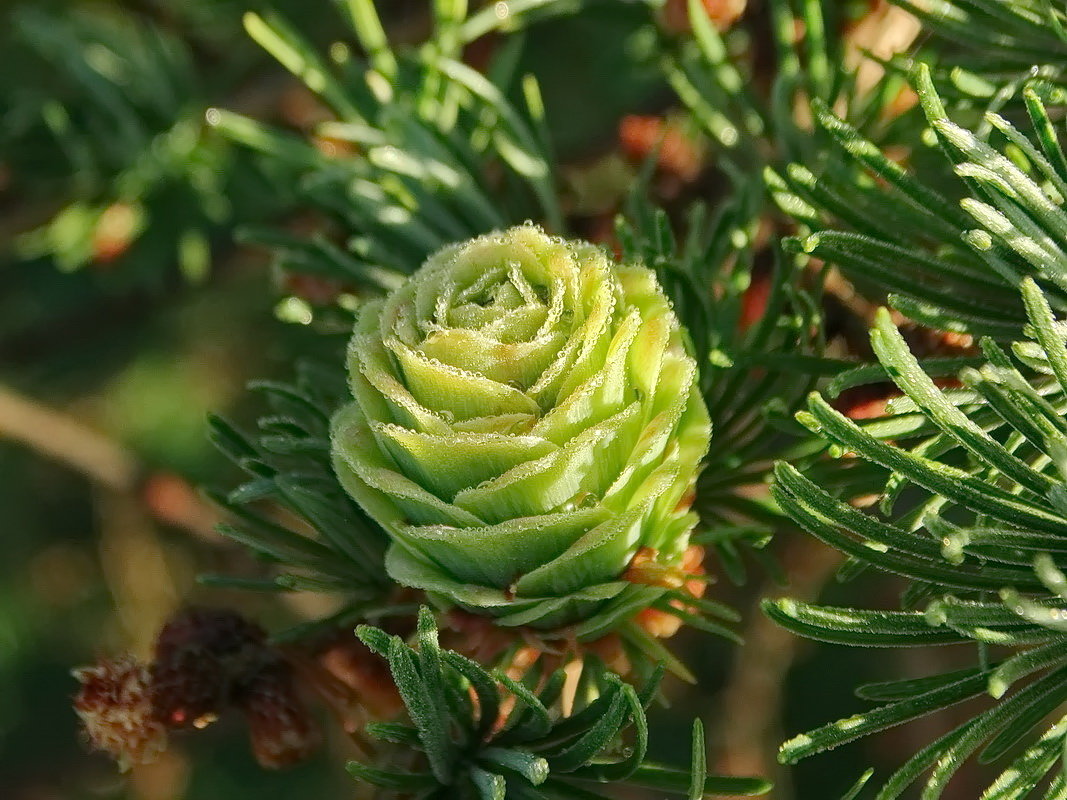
<point>525,418</point>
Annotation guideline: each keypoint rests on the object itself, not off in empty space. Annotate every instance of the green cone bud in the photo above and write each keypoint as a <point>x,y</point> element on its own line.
<point>526,418</point>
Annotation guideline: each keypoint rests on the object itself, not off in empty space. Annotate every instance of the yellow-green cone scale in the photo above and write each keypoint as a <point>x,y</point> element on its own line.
<point>525,418</point>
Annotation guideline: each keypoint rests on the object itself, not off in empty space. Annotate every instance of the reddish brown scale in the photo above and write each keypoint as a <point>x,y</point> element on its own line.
<point>870,408</point>
<point>282,731</point>
<point>316,290</point>
<point>687,500</point>
<point>689,575</point>
<point>115,231</point>
<point>611,651</point>
<point>754,301</point>
<point>354,665</point>
<point>115,707</point>
<point>475,636</point>
<point>724,13</point>
<point>679,155</point>
<point>334,148</point>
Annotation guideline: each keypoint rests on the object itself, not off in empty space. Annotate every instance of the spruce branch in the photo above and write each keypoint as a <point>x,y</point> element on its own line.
<point>763,334</point>
<point>105,138</point>
<point>984,51</point>
<point>291,512</point>
<point>716,75</point>
<point>948,256</point>
<point>991,466</point>
<point>424,150</point>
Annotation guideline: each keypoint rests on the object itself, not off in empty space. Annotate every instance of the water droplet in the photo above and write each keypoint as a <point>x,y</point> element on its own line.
<point>339,52</point>
<point>294,309</point>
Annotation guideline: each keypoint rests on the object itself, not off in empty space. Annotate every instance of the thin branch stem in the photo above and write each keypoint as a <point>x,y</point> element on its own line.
<point>105,462</point>
<point>752,699</point>
<point>63,438</point>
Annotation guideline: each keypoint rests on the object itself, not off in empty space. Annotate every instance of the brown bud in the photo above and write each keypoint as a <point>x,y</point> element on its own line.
<point>204,655</point>
<point>363,672</point>
<point>688,576</point>
<point>115,707</point>
<point>611,651</point>
<point>678,153</point>
<point>312,288</point>
<point>282,731</point>
<point>115,231</point>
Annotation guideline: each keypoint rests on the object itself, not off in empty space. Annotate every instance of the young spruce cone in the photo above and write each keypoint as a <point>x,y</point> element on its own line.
<point>526,419</point>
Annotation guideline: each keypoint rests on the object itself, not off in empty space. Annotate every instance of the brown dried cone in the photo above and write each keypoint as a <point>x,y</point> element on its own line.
<point>115,707</point>
<point>206,660</point>
<point>202,656</point>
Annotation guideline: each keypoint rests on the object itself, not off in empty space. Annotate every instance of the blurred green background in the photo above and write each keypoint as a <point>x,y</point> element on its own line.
<point>128,310</point>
